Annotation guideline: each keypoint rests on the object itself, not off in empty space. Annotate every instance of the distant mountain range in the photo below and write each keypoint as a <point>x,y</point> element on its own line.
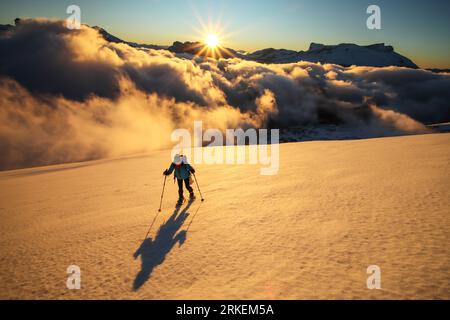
<point>109,37</point>
<point>345,54</point>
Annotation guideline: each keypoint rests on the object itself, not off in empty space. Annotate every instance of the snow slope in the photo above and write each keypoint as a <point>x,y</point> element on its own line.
<point>311,231</point>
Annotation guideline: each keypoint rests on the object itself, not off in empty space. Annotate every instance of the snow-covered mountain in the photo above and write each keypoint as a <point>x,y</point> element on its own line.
<point>346,54</point>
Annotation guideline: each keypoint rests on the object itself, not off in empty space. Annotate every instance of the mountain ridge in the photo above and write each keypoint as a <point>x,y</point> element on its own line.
<point>344,54</point>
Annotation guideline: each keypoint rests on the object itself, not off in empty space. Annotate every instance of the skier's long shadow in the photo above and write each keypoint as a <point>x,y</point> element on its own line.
<point>154,252</point>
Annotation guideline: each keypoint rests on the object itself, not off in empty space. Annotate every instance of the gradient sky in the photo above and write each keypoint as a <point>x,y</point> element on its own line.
<point>417,29</point>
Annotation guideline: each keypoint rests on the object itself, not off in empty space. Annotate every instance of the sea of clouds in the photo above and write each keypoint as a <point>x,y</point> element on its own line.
<point>69,95</point>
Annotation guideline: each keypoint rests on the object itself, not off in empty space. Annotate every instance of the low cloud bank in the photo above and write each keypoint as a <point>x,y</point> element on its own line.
<point>69,95</point>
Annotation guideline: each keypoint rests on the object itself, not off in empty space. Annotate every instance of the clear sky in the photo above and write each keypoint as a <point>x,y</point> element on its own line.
<point>417,29</point>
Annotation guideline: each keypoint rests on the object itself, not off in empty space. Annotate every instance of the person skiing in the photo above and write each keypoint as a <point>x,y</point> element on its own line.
<point>183,172</point>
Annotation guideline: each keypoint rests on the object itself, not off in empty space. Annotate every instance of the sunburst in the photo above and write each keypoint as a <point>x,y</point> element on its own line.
<point>212,41</point>
<point>211,38</point>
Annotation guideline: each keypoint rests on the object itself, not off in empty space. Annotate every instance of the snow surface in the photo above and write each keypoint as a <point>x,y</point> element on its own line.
<point>311,231</point>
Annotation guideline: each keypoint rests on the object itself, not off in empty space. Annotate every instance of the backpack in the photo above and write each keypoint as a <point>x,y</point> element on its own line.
<point>191,181</point>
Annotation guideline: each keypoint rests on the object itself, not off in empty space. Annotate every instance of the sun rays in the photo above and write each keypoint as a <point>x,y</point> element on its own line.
<point>211,45</point>
<point>212,37</point>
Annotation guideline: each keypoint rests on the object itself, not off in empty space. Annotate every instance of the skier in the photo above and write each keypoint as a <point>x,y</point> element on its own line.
<point>183,172</point>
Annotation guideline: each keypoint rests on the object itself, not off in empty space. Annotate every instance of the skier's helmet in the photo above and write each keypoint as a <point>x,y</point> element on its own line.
<point>177,159</point>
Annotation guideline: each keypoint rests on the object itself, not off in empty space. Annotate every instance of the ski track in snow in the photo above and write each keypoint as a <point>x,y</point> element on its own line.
<point>309,232</point>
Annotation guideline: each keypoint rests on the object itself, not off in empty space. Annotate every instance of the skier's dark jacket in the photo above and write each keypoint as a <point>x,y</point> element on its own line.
<point>182,171</point>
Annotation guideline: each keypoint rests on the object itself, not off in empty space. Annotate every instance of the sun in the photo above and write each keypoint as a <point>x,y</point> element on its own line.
<point>212,41</point>
<point>211,38</point>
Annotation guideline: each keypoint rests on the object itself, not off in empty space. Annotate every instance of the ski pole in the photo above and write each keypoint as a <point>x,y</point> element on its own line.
<point>198,187</point>
<point>160,206</point>
<point>192,220</point>
<point>151,226</point>
<point>162,195</point>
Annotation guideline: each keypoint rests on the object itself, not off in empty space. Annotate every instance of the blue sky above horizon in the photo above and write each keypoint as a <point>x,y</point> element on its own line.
<point>417,29</point>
